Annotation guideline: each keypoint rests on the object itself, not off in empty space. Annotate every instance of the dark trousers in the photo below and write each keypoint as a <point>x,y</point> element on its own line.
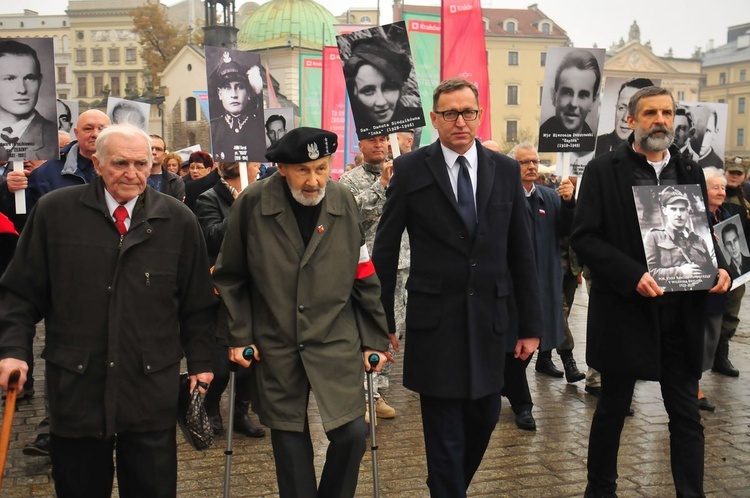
<point>678,388</point>
<point>515,385</point>
<point>220,366</point>
<point>456,434</point>
<point>295,470</point>
<point>570,285</point>
<point>146,465</point>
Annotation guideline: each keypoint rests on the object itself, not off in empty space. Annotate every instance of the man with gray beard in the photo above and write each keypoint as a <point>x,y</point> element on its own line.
<point>296,278</point>
<point>635,330</point>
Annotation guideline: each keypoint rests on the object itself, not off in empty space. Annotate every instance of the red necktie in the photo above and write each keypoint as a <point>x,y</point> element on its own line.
<point>121,213</point>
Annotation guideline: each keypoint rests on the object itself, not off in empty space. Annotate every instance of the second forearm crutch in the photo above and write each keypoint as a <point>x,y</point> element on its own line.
<point>8,413</point>
<point>373,359</point>
<point>248,354</point>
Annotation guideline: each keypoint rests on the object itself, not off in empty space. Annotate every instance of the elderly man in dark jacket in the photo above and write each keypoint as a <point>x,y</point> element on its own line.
<point>125,291</point>
<point>297,280</point>
<point>635,330</point>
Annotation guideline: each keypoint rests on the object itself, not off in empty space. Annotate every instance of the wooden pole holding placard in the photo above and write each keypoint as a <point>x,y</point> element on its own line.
<point>20,195</point>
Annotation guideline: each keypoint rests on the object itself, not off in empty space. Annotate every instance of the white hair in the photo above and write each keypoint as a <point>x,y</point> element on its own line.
<point>125,130</point>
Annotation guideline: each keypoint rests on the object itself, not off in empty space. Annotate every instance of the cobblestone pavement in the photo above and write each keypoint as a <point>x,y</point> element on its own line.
<point>550,462</point>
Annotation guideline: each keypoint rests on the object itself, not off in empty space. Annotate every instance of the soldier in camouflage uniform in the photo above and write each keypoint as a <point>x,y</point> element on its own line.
<point>368,183</point>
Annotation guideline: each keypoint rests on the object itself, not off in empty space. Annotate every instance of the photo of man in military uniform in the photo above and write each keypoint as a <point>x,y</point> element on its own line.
<point>235,105</point>
<point>677,257</point>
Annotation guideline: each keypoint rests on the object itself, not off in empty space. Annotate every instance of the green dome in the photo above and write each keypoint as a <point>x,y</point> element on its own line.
<point>280,23</point>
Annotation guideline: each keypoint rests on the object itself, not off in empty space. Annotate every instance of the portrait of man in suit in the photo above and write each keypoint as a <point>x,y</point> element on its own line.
<point>24,132</point>
<point>465,211</point>
<point>739,263</point>
<point>573,96</point>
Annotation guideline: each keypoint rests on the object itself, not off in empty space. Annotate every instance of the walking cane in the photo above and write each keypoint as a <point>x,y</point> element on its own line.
<point>248,354</point>
<point>373,359</point>
<point>10,410</point>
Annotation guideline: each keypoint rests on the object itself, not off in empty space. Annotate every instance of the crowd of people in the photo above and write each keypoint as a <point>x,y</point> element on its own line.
<point>135,261</point>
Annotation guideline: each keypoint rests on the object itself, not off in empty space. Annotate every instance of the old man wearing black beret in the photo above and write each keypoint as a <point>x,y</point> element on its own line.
<point>296,277</point>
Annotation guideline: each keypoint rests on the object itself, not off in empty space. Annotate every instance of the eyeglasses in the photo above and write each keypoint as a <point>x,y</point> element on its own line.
<point>196,167</point>
<point>468,115</point>
<point>529,162</point>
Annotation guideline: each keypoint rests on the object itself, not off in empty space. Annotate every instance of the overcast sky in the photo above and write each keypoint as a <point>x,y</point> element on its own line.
<point>680,24</point>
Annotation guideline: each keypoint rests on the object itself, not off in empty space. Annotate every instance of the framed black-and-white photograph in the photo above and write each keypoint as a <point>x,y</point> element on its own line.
<point>129,111</point>
<point>701,131</point>
<point>676,237</point>
<point>235,104</point>
<point>27,100</point>
<point>733,246</point>
<point>570,99</point>
<point>613,117</point>
<point>67,116</point>
<point>380,80</point>
<point>278,121</point>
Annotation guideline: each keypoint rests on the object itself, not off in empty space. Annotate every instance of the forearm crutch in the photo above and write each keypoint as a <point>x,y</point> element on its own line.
<point>373,359</point>
<point>248,354</point>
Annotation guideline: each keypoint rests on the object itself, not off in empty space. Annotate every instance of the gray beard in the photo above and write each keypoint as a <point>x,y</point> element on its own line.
<point>307,201</point>
<point>651,143</point>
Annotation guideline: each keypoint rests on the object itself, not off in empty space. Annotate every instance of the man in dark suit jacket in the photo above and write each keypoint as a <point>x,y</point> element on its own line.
<point>635,330</point>
<point>471,259</point>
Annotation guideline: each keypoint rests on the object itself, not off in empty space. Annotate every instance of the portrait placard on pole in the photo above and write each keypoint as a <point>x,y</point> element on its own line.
<point>278,122</point>
<point>380,80</point>
<point>28,108</point>
<point>129,111</point>
<point>701,131</point>
<point>570,99</point>
<point>235,103</point>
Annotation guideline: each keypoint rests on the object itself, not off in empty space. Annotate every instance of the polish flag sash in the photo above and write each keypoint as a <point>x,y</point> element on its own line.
<point>365,268</point>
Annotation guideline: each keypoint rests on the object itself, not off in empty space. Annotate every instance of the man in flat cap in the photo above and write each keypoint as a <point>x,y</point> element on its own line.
<point>296,278</point>
<point>239,129</point>
<point>376,73</point>
<point>676,252</point>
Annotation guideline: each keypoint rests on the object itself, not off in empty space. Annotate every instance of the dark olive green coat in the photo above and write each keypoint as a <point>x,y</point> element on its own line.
<point>304,308</point>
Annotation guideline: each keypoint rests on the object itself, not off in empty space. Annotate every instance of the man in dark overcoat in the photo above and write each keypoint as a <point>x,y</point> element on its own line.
<point>466,248</point>
<point>635,330</point>
<point>120,274</point>
<point>296,278</point>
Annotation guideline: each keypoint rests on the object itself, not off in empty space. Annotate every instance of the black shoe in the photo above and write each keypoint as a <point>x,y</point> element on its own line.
<point>593,390</point>
<point>725,367</point>
<point>589,493</point>
<point>525,420</point>
<point>40,447</point>
<point>572,374</point>
<point>216,423</point>
<point>545,366</point>
<point>705,404</point>
<point>244,424</point>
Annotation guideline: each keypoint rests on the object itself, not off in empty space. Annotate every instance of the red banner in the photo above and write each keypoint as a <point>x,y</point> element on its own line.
<point>334,105</point>
<point>464,54</point>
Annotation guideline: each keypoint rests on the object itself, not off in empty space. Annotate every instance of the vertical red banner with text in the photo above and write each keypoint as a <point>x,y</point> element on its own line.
<point>333,116</point>
<point>464,54</point>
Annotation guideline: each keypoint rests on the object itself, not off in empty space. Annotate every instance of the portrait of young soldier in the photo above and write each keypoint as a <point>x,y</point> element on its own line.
<point>236,105</point>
